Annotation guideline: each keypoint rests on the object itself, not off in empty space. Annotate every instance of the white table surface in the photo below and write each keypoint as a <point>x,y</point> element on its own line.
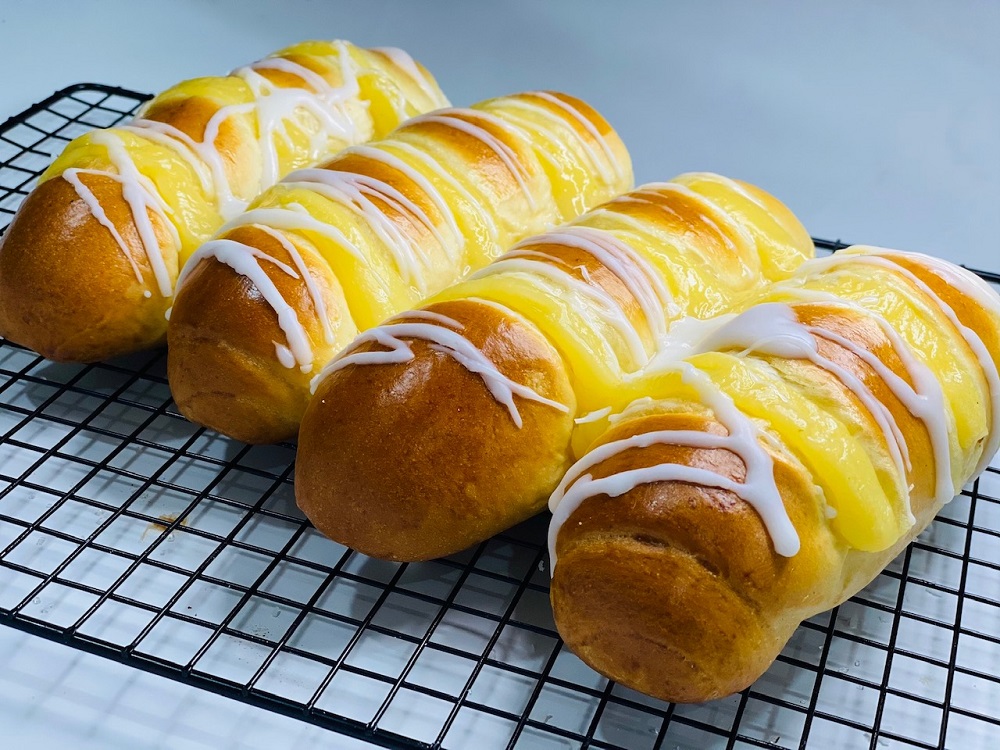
<point>875,122</point>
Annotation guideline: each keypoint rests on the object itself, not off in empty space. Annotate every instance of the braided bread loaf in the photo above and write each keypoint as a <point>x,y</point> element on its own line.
<point>775,471</point>
<point>334,250</point>
<point>453,422</point>
<point>88,266</point>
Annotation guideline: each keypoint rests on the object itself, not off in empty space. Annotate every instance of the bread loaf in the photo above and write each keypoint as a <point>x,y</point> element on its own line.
<point>334,250</point>
<point>451,423</point>
<point>89,263</point>
<point>775,471</point>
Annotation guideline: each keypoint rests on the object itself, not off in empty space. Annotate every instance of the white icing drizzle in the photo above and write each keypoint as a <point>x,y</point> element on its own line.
<point>245,261</point>
<point>731,185</point>
<point>442,320</point>
<point>609,167</point>
<point>712,214</point>
<point>635,408</point>
<point>925,402</point>
<point>413,175</point>
<point>736,187</point>
<point>404,62</point>
<point>291,218</point>
<point>886,259</point>
<point>177,141</point>
<point>205,150</point>
<point>444,340</point>
<point>356,191</point>
<point>285,356</point>
<point>456,119</point>
<point>526,252</point>
<point>314,292</point>
<point>643,282</point>
<point>274,106</point>
<point>686,335</point>
<point>758,488</point>
<point>593,416</point>
<point>605,306</point>
<point>774,329</point>
<point>986,297</point>
<point>141,196</point>
<point>924,399</point>
<point>503,309</point>
<point>310,77</point>
<point>589,126</point>
<point>443,173</point>
<point>294,217</point>
<point>249,250</point>
<point>968,282</point>
<point>72,176</point>
<point>623,221</point>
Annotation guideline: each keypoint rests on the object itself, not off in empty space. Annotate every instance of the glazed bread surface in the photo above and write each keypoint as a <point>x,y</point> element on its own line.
<point>335,250</point>
<point>450,424</point>
<point>775,471</point>
<point>89,263</point>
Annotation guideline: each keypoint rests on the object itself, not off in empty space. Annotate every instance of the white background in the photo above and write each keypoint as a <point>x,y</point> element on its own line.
<point>876,122</point>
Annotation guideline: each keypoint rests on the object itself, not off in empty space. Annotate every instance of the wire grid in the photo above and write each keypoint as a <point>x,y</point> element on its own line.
<point>128,532</point>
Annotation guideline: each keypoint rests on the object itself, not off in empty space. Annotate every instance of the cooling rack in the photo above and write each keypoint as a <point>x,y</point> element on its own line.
<point>127,532</point>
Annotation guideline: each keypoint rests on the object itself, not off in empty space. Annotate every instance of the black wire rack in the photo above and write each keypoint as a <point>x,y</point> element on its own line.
<point>128,532</point>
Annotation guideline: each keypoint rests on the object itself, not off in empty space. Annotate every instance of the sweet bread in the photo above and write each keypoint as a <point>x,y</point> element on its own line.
<point>775,471</point>
<point>451,423</point>
<point>335,250</point>
<point>89,263</point>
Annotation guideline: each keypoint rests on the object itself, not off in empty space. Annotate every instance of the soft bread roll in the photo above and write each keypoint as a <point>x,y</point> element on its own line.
<point>447,425</point>
<point>89,263</point>
<point>337,249</point>
<point>776,471</point>
<point>404,486</point>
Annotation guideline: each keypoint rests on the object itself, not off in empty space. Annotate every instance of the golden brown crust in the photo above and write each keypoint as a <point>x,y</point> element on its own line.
<point>64,289</point>
<point>586,267</point>
<point>864,332</point>
<point>684,570</point>
<point>223,369</point>
<point>672,212</point>
<point>474,155</point>
<point>221,359</point>
<point>568,192</point>
<point>966,309</point>
<point>234,140</point>
<point>687,574</point>
<point>189,114</point>
<point>602,126</point>
<point>668,648</point>
<point>408,224</point>
<point>456,460</point>
<point>498,193</point>
<point>682,219</point>
<point>59,267</point>
<point>675,214</point>
<point>289,80</point>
